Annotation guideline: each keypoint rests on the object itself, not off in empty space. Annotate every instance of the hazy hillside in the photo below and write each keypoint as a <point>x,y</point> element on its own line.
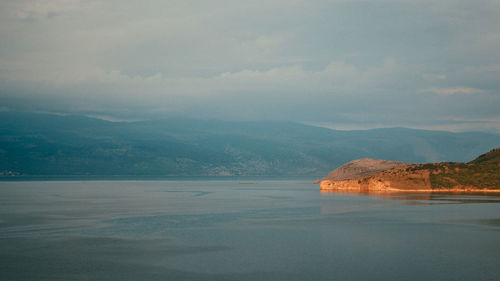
<point>41,144</point>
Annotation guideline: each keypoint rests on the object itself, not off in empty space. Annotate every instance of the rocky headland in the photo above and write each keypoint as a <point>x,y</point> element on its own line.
<point>371,175</point>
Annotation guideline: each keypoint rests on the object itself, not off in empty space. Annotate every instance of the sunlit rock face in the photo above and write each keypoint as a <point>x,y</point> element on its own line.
<point>358,175</point>
<point>369,175</point>
<point>362,168</point>
<point>394,179</point>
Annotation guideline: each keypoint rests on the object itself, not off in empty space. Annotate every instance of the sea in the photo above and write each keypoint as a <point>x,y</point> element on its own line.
<point>234,230</point>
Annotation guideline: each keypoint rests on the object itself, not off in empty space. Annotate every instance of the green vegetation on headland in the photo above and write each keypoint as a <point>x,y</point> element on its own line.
<point>482,173</point>
<point>372,175</point>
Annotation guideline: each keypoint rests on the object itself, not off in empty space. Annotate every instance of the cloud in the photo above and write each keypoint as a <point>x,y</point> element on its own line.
<point>434,77</point>
<point>452,91</point>
<point>336,77</point>
<point>285,59</point>
<point>48,9</point>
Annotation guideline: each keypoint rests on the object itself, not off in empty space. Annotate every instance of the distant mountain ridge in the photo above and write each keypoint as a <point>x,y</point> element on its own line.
<point>480,174</point>
<point>54,145</point>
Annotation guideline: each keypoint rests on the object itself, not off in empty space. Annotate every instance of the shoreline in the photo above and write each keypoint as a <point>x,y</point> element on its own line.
<point>426,190</point>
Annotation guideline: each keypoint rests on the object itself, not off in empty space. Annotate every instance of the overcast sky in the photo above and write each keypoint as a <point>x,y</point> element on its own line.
<point>343,64</point>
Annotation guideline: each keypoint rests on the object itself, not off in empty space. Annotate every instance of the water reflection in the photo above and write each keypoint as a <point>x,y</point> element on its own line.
<point>487,222</point>
<point>415,198</point>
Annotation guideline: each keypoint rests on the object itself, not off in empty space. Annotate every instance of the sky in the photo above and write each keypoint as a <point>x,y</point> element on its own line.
<point>335,63</point>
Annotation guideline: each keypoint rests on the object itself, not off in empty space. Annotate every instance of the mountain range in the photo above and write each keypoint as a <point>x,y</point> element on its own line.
<point>36,144</point>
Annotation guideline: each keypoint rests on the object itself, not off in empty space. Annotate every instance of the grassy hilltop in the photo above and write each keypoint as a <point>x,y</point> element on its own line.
<point>483,172</point>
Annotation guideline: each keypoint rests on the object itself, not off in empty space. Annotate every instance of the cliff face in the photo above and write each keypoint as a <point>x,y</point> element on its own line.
<point>481,174</point>
<point>388,180</point>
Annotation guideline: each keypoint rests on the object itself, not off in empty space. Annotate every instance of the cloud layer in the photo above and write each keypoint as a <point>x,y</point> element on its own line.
<point>364,63</point>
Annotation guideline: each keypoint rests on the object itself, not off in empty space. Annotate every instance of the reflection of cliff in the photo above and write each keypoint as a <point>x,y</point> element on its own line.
<point>369,175</point>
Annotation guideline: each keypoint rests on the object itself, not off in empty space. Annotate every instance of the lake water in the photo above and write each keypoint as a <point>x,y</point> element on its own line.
<point>226,230</point>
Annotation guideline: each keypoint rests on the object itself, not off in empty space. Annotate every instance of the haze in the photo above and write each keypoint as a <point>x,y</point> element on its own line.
<point>339,64</point>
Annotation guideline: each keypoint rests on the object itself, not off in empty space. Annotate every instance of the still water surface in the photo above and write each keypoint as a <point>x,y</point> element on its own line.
<point>225,230</point>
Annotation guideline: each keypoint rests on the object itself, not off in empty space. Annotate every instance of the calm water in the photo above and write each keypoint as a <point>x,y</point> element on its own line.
<point>224,230</point>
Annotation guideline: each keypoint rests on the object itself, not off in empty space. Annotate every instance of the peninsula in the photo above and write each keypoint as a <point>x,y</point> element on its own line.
<point>370,175</point>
